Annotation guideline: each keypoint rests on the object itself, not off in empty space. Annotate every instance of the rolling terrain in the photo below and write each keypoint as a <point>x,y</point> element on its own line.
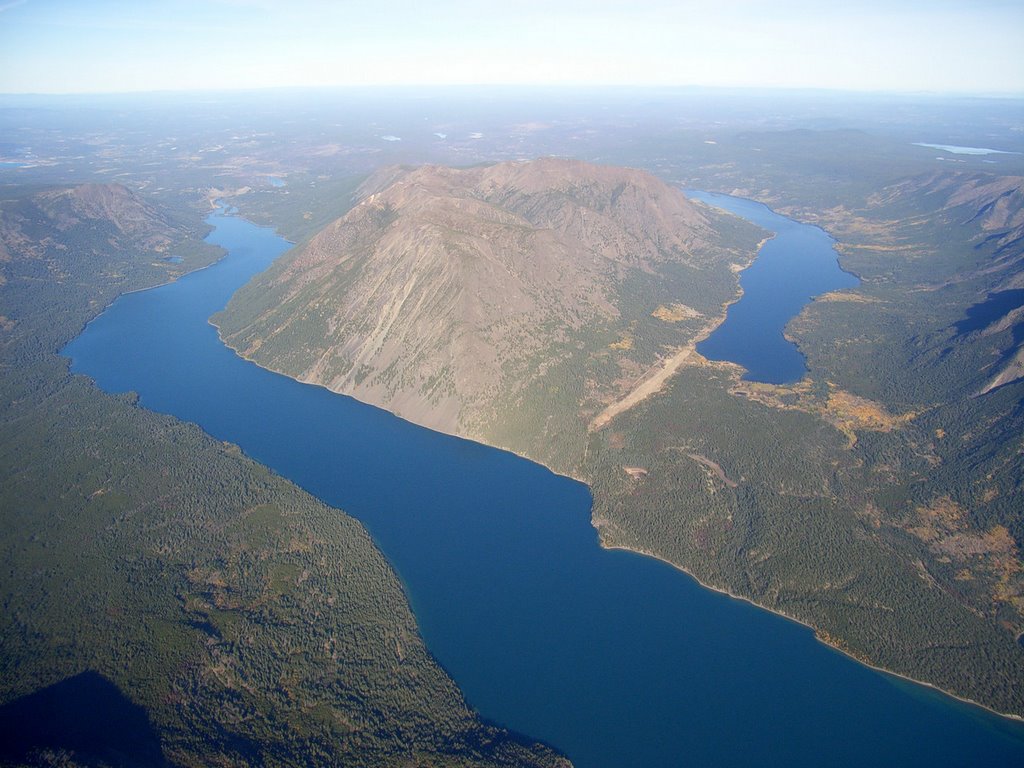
<point>551,307</point>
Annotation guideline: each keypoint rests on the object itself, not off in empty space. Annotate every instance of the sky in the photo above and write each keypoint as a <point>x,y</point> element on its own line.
<point>104,46</point>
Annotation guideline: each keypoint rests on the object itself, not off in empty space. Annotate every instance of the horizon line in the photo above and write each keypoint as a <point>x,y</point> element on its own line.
<point>525,86</point>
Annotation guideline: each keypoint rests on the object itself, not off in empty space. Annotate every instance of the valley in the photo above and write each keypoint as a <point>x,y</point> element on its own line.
<point>499,274</point>
<point>151,566</point>
<point>501,563</point>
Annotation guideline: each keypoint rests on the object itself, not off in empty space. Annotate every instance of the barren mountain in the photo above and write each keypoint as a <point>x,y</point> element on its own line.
<point>447,295</point>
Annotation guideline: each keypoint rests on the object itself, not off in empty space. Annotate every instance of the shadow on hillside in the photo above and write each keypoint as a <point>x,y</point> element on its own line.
<point>85,719</point>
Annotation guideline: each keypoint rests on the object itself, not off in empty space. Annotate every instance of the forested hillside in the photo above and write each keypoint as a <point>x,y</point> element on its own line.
<point>165,599</point>
<point>880,497</point>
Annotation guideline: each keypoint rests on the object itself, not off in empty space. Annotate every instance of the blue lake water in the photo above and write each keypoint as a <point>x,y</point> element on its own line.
<point>615,659</point>
<point>956,149</point>
<point>796,265</point>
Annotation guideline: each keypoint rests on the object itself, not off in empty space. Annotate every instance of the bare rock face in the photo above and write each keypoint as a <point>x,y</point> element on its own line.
<point>445,290</point>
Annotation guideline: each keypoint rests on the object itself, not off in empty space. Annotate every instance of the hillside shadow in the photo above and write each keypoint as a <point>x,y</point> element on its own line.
<point>86,717</point>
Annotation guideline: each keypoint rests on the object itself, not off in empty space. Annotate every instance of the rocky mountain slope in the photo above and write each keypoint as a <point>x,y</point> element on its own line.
<point>447,295</point>
<point>992,209</point>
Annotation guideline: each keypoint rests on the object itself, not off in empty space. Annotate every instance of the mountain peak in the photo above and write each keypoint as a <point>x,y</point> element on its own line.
<point>446,294</point>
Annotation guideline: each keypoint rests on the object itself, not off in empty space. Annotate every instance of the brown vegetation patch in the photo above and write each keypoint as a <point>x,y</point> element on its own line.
<point>626,342</point>
<point>839,644</point>
<point>994,553</point>
<point>675,313</point>
<point>799,396</point>
<point>637,473</point>
<point>996,541</point>
<point>845,411</point>
<point>850,413</point>
<point>940,518</point>
<point>872,514</point>
<point>847,296</point>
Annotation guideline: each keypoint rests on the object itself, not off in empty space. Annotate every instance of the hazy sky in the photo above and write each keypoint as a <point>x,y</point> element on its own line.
<point>62,46</point>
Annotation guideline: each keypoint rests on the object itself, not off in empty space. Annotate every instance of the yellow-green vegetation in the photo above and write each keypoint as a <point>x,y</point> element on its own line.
<point>254,625</point>
<point>625,343</point>
<point>675,313</point>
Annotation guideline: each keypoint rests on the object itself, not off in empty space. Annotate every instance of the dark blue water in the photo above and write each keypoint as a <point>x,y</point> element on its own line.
<point>614,658</point>
<point>796,265</point>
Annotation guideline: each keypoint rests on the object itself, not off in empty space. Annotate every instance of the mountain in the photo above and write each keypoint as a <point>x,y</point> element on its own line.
<point>452,296</point>
<point>110,212</point>
<point>552,307</point>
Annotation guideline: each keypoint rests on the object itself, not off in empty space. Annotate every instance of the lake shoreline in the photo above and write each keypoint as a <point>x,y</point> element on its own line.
<point>817,636</point>
<point>690,351</point>
<point>386,511</point>
<point>644,553</point>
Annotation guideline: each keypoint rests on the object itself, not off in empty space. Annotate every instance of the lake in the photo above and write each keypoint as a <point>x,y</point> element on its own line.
<point>797,264</point>
<point>956,149</point>
<point>614,658</point>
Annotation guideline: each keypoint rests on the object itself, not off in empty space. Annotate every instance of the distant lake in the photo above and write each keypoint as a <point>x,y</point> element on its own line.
<point>958,150</point>
<point>797,264</point>
<point>616,659</point>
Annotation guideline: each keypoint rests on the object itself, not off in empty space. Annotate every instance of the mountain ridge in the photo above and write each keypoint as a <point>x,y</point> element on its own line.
<point>441,286</point>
